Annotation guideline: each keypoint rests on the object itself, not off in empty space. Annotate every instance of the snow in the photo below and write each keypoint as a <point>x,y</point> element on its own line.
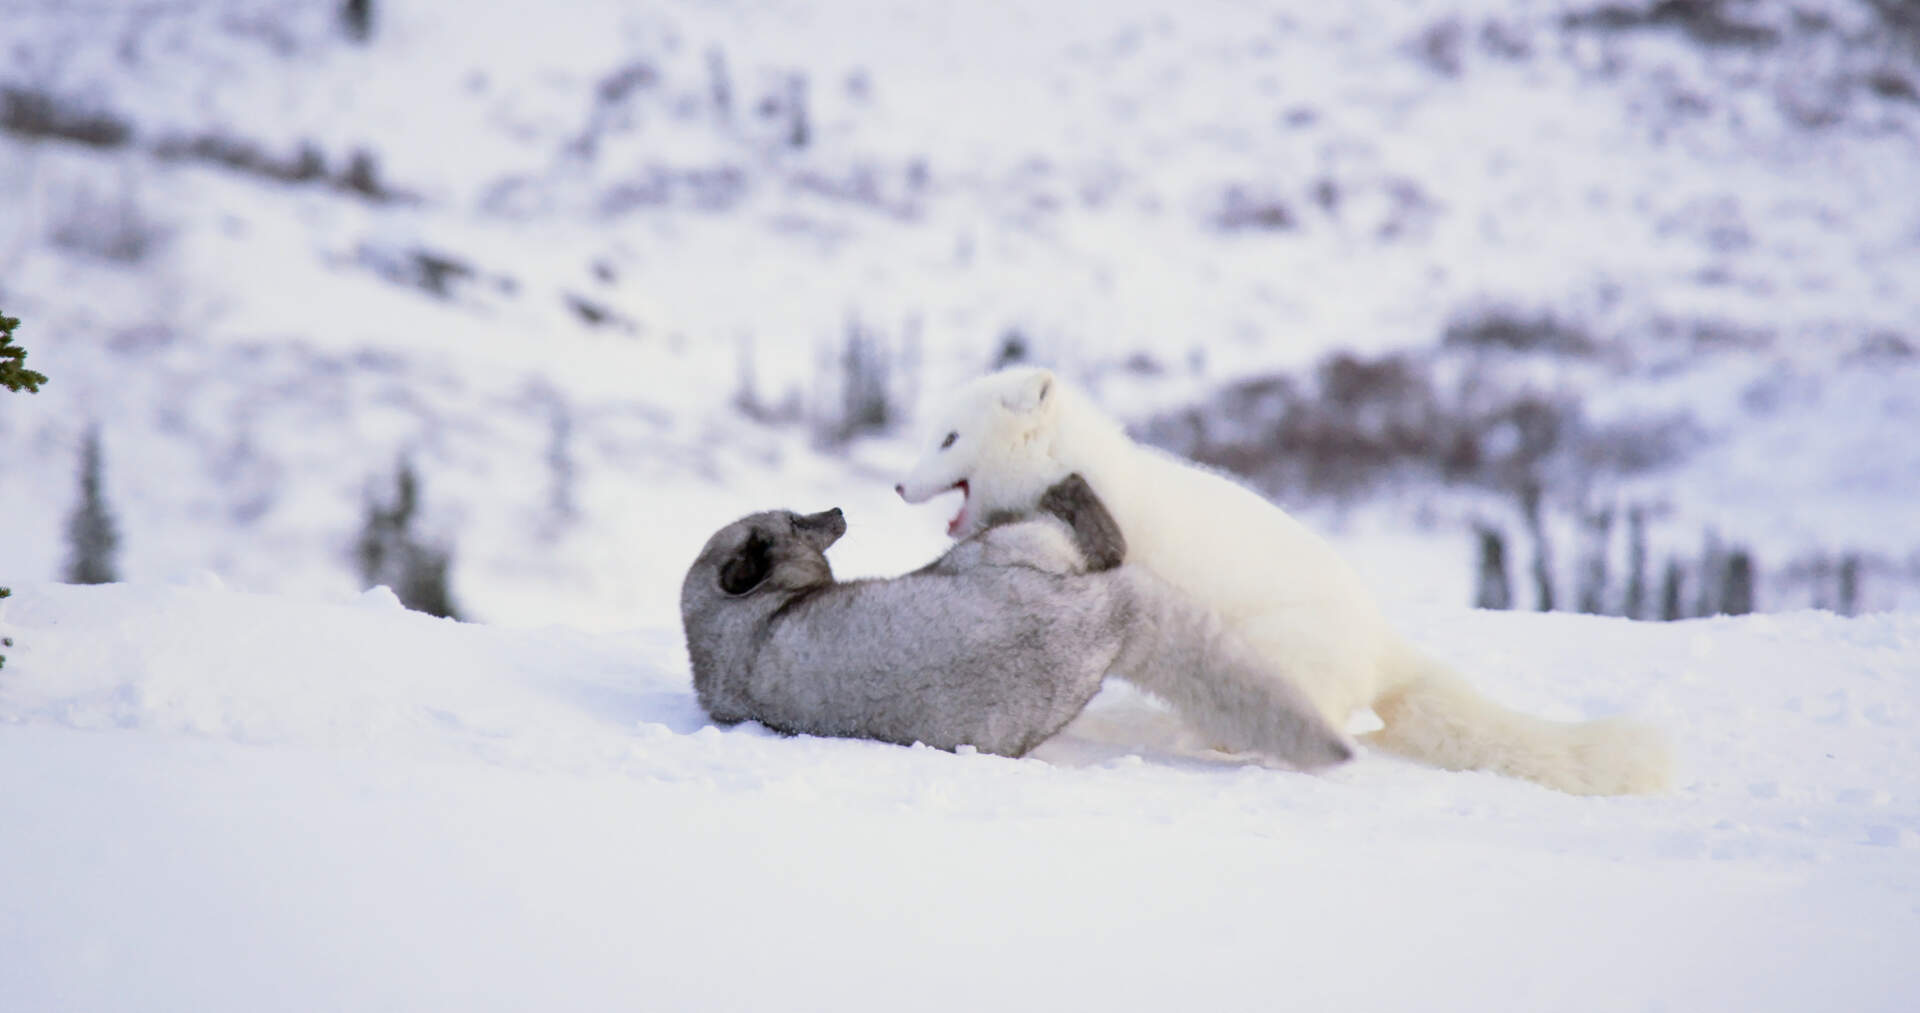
<point>242,780</point>
<point>219,800</point>
<point>972,169</point>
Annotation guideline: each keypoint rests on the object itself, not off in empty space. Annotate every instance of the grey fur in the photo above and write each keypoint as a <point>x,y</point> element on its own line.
<point>997,644</point>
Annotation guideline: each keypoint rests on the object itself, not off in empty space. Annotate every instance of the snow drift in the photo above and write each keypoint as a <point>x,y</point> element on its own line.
<point>215,800</point>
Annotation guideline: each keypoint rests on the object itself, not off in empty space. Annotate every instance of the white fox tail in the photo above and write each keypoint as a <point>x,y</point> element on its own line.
<point>1432,715</point>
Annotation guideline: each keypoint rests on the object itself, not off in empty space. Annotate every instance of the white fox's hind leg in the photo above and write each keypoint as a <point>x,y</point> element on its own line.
<point>1181,652</point>
<point>1333,666</point>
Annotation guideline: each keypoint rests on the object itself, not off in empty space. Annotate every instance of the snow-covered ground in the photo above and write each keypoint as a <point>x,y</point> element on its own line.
<point>597,294</point>
<point>215,800</point>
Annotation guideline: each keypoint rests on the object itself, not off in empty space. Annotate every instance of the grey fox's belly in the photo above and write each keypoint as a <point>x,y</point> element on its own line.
<point>959,634</point>
<point>996,663</point>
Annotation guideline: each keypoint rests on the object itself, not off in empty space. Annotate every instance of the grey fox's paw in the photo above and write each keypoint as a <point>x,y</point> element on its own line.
<point>1068,497</point>
<point>1095,533</point>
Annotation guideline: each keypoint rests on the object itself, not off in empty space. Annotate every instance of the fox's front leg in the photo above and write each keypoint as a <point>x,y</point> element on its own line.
<point>1095,533</point>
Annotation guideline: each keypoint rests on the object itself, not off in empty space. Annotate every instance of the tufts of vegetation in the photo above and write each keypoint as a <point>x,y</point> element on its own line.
<point>114,229</point>
<point>37,115</point>
<point>305,164</point>
<point>1509,328</point>
<point>1451,414</point>
<point>856,392</point>
<point>594,313</point>
<point>1472,412</point>
<point>1439,46</point>
<point>1705,22</point>
<point>1014,350</point>
<point>715,188</point>
<point>440,275</point>
<point>866,369</point>
<point>1242,208</point>
<point>356,20</point>
<point>14,374</point>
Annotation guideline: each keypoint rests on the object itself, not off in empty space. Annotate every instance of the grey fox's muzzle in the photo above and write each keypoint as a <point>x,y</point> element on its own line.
<point>825,527</point>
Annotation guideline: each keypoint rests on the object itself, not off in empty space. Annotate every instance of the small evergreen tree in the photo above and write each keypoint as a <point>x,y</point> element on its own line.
<point>14,374</point>
<point>1822,577</point>
<point>423,582</point>
<point>1670,608</point>
<point>1493,590</point>
<point>1736,584</point>
<point>1713,566</point>
<point>388,552</point>
<point>857,388</point>
<point>93,538</point>
<point>1635,605</point>
<point>798,131</point>
<point>719,85</point>
<point>866,375</point>
<point>1530,495</point>
<point>562,477</point>
<point>1592,595</point>
<point>1848,602</point>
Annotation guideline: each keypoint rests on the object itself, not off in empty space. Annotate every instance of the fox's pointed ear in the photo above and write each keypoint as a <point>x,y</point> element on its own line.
<point>1031,393</point>
<point>748,567</point>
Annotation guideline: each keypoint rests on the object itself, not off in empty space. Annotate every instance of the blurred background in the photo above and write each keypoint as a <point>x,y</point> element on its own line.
<point>1597,305</point>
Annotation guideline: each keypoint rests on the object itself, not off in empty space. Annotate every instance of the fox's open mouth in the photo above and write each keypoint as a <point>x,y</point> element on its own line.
<point>960,519</point>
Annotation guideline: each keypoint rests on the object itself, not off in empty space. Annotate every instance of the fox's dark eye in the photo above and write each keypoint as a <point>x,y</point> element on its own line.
<point>948,442</point>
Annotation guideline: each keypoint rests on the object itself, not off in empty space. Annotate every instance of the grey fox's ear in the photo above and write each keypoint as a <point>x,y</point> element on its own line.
<point>748,567</point>
<point>1032,393</point>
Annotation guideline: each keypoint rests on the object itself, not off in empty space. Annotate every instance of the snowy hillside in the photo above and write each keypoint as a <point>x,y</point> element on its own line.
<point>608,275</point>
<point>595,274</point>
<point>216,800</point>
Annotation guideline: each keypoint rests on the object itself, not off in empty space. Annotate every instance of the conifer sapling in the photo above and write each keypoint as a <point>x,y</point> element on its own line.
<point>14,374</point>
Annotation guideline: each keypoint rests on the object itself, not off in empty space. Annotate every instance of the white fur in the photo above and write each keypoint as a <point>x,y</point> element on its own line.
<point>1281,587</point>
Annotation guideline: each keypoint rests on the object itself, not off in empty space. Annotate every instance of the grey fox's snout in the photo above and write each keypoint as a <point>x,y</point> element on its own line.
<point>822,529</point>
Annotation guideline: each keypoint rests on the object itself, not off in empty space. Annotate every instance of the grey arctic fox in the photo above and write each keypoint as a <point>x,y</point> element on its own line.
<point>996,644</point>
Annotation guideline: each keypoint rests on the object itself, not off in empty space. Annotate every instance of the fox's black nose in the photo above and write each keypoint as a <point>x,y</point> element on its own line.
<point>902,490</point>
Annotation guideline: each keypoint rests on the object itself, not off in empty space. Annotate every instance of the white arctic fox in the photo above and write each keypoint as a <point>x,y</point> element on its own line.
<point>1006,437</point>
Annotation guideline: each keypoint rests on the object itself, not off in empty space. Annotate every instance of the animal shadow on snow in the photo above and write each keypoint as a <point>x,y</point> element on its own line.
<point>1121,722</point>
